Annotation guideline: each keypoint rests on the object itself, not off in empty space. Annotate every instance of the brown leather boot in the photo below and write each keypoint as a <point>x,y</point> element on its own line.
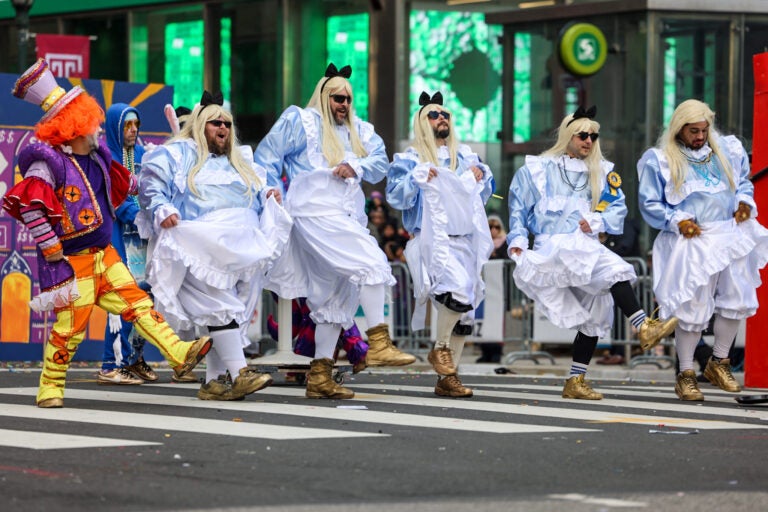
<point>320,383</point>
<point>381,351</point>
<point>451,386</point>
<point>442,361</point>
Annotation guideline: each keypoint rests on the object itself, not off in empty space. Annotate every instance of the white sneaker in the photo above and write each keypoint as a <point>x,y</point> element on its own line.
<point>119,376</point>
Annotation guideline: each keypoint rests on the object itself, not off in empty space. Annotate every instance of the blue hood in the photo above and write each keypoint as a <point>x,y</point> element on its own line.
<point>114,128</point>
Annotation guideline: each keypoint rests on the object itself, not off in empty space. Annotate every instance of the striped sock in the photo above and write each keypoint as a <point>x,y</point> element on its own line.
<point>637,318</point>
<point>577,369</point>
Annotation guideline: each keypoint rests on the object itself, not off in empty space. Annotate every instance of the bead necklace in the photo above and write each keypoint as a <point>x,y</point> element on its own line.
<point>576,187</point>
<point>128,160</point>
<point>705,168</point>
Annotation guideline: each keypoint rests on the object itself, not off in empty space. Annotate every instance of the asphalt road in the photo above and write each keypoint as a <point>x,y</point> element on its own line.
<point>515,446</point>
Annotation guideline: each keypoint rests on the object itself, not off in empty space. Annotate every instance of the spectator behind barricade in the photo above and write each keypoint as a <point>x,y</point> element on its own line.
<point>377,217</point>
<point>391,239</point>
<point>499,236</point>
<point>375,200</point>
<point>492,352</point>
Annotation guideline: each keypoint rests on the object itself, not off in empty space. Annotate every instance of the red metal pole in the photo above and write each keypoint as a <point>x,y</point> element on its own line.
<point>756,352</point>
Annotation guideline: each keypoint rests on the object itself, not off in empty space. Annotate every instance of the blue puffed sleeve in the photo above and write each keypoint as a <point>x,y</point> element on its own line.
<point>402,192</point>
<point>279,148</point>
<point>652,199</point>
<point>156,181</point>
<point>521,201</point>
<point>374,166</point>
<point>745,190</point>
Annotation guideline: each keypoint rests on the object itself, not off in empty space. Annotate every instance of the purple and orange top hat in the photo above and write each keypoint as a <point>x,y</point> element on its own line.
<point>38,85</point>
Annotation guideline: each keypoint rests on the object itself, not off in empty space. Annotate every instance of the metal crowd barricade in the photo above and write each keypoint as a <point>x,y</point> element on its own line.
<point>644,289</point>
<point>521,308</point>
<point>621,333</point>
<point>518,318</point>
<point>516,310</point>
<point>403,305</point>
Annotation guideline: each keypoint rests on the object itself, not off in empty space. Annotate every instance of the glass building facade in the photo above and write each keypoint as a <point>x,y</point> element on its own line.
<point>496,63</point>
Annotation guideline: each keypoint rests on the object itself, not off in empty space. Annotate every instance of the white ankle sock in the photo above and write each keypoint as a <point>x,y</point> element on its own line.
<point>577,369</point>
<point>637,318</point>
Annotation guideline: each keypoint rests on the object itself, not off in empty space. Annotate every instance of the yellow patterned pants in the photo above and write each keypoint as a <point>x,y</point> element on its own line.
<point>102,280</point>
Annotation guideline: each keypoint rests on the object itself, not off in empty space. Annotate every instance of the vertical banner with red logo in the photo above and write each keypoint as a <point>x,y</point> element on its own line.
<point>67,56</point>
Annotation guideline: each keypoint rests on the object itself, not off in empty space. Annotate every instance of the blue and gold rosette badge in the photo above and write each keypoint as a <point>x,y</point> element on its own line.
<point>611,193</point>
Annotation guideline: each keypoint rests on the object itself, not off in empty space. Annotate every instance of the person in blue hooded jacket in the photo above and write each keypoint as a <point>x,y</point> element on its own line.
<point>122,131</point>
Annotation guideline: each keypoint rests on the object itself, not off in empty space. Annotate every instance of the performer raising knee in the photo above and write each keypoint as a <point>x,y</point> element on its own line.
<point>442,187</point>
<point>565,197</point>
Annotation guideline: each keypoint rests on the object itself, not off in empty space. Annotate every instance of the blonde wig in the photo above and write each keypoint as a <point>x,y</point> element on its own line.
<point>424,136</point>
<point>333,146</point>
<point>593,161</point>
<point>688,112</point>
<point>194,128</point>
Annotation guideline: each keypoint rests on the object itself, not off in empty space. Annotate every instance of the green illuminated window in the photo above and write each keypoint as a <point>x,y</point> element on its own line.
<point>226,57</point>
<point>458,54</point>
<point>348,44</point>
<point>138,54</point>
<point>184,60</point>
<point>669,99</point>
<point>522,96</point>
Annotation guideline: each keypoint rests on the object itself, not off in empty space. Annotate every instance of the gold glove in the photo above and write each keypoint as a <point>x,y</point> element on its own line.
<point>743,213</point>
<point>688,228</point>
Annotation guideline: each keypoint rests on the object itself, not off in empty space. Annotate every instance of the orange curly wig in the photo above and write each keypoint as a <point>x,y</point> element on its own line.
<point>82,116</point>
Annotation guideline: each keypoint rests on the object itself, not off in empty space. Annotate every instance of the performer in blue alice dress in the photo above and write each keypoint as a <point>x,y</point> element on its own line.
<point>565,198</point>
<point>695,189</point>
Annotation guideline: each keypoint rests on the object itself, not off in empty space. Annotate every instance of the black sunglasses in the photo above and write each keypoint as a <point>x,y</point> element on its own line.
<point>340,98</point>
<point>434,114</point>
<point>218,122</point>
<point>584,135</point>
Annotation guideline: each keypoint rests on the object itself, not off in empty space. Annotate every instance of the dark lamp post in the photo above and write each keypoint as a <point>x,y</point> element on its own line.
<point>22,23</point>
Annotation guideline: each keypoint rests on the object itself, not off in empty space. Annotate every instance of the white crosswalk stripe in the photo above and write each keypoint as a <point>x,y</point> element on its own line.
<point>512,408</point>
<point>581,413</point>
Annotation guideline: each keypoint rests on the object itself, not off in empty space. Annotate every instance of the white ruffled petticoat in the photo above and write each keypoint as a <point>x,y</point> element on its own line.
<point>726,257</point>
<point>454,243</point>
<point>569,276</point>
<point>210,271</point>
<point>331,253</point>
